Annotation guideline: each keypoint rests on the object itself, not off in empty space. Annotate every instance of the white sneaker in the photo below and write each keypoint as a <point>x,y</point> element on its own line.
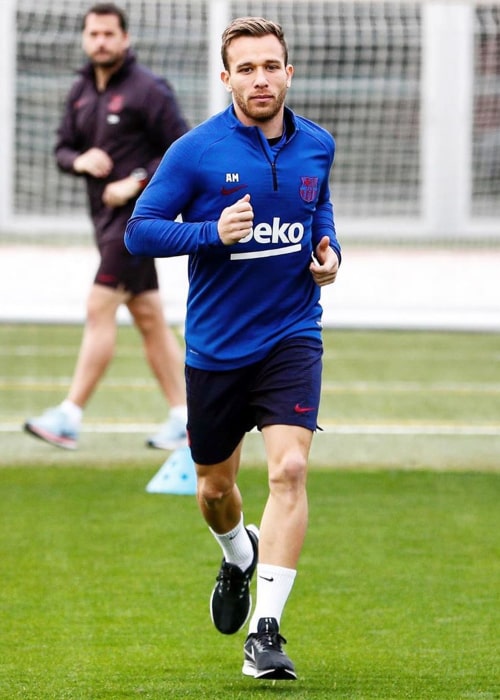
<point>171,435</point>
<point>54,427</point>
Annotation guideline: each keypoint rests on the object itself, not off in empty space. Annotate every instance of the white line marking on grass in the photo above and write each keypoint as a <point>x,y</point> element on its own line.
<point>44,383</point>
<point>401,387</point>
<point>89,427</point>
<point>57,351</point>
<point>402,429</point>
<point>47,383</point>
<point>419,355</point>
<point>491,430</point>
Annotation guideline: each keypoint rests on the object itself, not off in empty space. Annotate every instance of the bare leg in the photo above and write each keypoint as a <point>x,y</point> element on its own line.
<point>219,498</point>
<point>284,522</point>
<point>163,352</point>
<point>98,342</point>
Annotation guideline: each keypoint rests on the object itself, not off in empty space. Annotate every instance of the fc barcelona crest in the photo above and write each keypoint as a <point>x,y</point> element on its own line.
<point>309,188</point>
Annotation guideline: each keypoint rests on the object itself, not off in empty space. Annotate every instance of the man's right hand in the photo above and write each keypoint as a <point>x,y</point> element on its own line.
<point>236,221</point>
<point>94,162</point>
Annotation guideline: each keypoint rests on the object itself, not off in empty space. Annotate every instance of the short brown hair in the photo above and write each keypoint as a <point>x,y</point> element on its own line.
<point>107,8</point>
<point>251,26</point>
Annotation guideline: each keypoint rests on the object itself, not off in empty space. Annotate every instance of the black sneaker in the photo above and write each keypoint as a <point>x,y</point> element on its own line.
<point>231,602</point>
<point>264,657</point>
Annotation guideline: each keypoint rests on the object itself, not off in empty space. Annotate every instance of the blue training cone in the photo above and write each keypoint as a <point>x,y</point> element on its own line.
<point>176,476</point>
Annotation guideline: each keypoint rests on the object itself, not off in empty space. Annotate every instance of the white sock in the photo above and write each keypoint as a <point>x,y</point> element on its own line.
<point>73,411</point>
<point>274,584</point>
<point>236,546</point>
<point>179,413</point>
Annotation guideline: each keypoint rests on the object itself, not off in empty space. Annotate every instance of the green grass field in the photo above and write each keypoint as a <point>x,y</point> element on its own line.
<point>104,587</point>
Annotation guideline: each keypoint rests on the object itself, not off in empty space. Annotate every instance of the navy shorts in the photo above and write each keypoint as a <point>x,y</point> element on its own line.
<point>119,269</point>
<point>282,389</point>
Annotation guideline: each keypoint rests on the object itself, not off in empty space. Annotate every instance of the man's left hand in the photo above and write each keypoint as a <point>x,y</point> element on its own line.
<point>324,270</point>
<point>118,193</point>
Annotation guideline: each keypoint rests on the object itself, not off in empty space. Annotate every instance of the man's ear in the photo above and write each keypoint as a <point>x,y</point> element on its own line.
<point>224,76</point>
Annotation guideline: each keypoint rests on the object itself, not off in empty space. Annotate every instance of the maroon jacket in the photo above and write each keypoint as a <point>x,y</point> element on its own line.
<point>134,120</point>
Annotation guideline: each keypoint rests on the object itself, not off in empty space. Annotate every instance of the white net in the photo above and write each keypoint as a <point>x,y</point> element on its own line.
<point>486,123</point>
<point>169,37</point>
<point>358,72</point>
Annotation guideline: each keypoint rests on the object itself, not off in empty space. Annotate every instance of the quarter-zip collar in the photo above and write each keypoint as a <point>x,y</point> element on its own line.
<point>256,134</point>
<point>291,126</point>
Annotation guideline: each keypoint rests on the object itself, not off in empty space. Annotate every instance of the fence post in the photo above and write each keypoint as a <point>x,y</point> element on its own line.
<point>447,92</point>
<point>218,19</point>
<point>7,109</point>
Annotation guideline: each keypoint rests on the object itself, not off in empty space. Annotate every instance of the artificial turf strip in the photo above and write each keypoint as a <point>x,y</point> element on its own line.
<point>397,399</point>
<point>104,589</point>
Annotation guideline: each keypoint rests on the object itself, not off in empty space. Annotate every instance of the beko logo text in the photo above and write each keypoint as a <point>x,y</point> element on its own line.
<point>277,233</point>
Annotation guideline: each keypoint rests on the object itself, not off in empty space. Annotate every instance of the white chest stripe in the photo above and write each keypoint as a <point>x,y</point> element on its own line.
<point>266,253</point>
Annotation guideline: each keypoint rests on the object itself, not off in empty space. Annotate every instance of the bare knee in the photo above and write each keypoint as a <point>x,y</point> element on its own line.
<point>101,307</point>
<point>289,475</point>
<point>147,322</point>
<point>147,314</point>
<point>214,490</point>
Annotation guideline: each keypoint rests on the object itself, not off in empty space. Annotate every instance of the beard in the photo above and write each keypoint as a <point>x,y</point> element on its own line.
<point>260,113</point>
<point>107,60</point>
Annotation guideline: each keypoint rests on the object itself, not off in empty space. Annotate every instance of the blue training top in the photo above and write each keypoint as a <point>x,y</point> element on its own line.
<point>246,297</point>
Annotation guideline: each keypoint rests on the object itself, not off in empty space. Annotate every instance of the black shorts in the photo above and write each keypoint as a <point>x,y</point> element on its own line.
<point>119,269</point>
<point>282,389</point>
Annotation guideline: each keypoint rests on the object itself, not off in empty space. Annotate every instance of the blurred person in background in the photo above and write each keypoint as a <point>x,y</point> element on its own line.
<point>118,122</point>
